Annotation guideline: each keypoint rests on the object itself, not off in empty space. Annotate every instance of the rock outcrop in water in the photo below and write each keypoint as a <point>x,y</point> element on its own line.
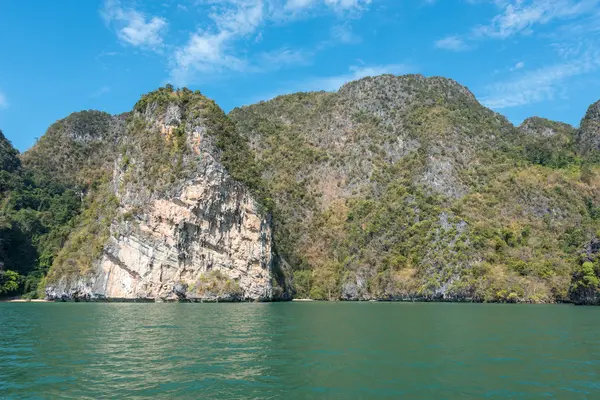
<point>165,220</point>
<point>207,242</point>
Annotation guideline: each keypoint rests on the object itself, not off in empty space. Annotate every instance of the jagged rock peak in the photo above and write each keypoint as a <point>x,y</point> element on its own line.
<point>86,126</point>
<point>588,135</point>
<point>75,147</point>
<point>543,127</point>
<point>593,112</point>
<point>412,83</point>
<point>174,106</point>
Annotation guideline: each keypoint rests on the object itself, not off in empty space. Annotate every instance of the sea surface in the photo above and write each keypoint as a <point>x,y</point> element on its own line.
<point>299,351</point>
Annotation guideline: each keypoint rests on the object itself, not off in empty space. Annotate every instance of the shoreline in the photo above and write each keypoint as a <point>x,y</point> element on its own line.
<point>205,301</point>
<point>26,301</point>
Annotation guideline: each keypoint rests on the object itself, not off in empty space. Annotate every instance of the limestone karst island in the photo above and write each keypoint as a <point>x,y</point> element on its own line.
<point>392,188</point>
<point>300,199</point>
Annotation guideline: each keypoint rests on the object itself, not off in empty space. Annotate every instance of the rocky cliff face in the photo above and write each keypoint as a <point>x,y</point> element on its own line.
<point>206,243</point>
<point>588,135</point>
<point>182,228</point>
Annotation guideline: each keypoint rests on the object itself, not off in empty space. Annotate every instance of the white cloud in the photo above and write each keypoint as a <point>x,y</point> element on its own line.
<point>299,4</point>
<point>341,5</point>
<point>452,43</point>
<point>221,43</point>
<point>133,27</point>
<point>3,101</point>
<point>348,4</point>
<point>106,54</point>
<point>274,60</point>
<point>344,34</point>
<point>520,16</point>
<point>517,66</point>
<point>539,85</point>
<point>214,48</point>
<point>100,92</point>
<point>212,51</point>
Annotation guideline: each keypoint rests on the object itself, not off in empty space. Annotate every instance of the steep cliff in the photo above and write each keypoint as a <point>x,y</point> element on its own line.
<point>164,219</point>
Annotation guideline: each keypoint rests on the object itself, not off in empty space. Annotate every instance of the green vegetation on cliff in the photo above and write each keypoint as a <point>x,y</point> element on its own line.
<point>168,160</point>
<point>406,187</point>
<point>35,216</point>
<point>391,188</point>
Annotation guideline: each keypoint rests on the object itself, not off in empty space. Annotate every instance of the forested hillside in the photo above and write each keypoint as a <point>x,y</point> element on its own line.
<point>392,188</point>
<point>50,187</point>
<point>35,218</point>
<point>406,187</point>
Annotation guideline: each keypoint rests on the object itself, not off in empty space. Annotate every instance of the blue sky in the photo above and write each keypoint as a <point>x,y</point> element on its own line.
<point>519,57</point>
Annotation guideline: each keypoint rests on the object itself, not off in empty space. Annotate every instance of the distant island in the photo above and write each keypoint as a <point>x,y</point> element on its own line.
<point>392,188</point>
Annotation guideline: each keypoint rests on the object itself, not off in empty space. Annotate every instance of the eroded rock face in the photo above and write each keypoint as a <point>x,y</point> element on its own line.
<point>202,238</point>
<point>588,135</point>
<point>210,228</point>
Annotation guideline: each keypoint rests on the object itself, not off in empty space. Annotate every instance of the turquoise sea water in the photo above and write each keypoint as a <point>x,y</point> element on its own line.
<point>299,351</point>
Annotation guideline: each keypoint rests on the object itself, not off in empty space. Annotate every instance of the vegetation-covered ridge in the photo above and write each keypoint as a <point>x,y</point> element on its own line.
<point>406,187</point>
<point>394,187</point>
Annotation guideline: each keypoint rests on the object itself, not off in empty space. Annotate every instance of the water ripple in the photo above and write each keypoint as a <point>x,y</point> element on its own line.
<point>298,351</point>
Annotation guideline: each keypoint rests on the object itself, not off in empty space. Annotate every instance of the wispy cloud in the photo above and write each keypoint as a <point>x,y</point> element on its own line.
<point>299,4</point>
<point>348,4</point>
<point>340,5</point>
<point>221,43</point>
<point>106,54</point>
<point>133,27</point>
<point>212,50</point>
<point>344,34</point>
<point>215,48</point>
<point>3,101</point>
<point>576,48</point>
<point>539,85</point>
<point>452,43</point>
<point>519,17</point>
<point>100,92</point>
<point>277,59</point>
<point>518,66</point>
